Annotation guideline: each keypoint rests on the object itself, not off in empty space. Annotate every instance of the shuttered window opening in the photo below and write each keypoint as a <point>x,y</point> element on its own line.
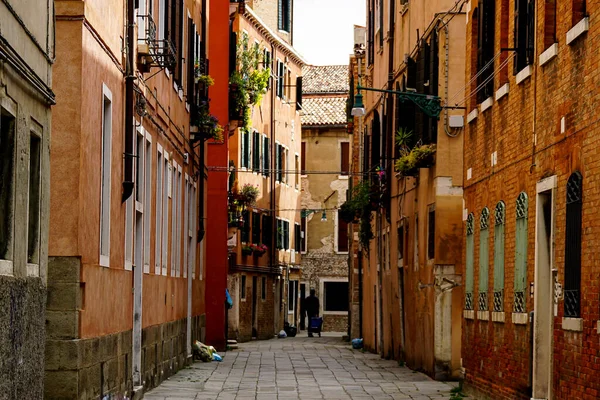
<point>521,253</point>
<point>245,235</point>
<point>485,48</point>
<point>484,258</point>
<point>469,252</point>
<point>499,217</point>
<point>266,158</point>
<point>267,230</point>
<point>431,233</point>
<point>375,141</point>
<point>297,237</point>
<point>256,151</point>
<point>303,244</point>
<point>245,147</point>
<point>303,158</point>
<point>298,93</point>
<point>279,234</point>
<point>267,60</point>
<point>371,33</point>
<point>284,15</point>
<point>256,228</point>
<point>345,158</point>
<point>524,33</point>
<point>579,11</point>
<point>572,304</point>
<point>549,23</point>
<point>342,235</point>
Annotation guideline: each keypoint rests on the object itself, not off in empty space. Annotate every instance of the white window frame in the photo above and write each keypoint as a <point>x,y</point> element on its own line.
<point>105,181</point>
<point>33,269</point>
<point>139,237</point>
<point>165,222</point>
<point>174,208</point>
<point>322,282</point>
<point>180,206</point>
<point>147,199</point>
<point>297,165</point>
<point>159,209</point>
<point>186,225</point>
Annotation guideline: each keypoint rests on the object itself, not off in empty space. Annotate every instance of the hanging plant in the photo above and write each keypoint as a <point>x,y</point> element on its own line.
<point>207,124</point>
<point>206,80</point>
<point>259,249</point>
<point>419,157</point>
<point>249,82</point>
<point>249,194</point>
<point>246,250</point>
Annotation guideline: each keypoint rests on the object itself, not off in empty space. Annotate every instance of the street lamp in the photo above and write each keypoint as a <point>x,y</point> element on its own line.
<point>358,110</point>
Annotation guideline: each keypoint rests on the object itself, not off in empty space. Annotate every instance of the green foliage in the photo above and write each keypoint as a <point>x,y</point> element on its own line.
<point>249,82</point>
<point>403,138</point>
<point>419,157</point>
<point>359,207</point>
<point>207,80</point>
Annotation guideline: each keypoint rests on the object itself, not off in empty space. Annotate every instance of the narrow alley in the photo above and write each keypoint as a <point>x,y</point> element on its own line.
<point>299,368</point>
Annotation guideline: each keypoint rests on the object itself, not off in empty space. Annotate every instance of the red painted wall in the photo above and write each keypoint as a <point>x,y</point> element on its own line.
<point>217,155</point>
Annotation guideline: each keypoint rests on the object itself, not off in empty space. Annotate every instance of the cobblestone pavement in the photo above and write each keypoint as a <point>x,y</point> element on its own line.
<point>299,368</point>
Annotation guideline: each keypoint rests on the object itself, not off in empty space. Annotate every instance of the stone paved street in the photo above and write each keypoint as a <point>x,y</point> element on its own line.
<point>299,368</point>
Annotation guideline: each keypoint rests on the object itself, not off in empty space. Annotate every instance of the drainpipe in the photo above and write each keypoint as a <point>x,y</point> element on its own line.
<point>272,174</point>
<point>129,124</point>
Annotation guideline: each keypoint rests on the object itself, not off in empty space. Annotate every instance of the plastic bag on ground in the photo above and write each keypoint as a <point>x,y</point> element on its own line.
<point>217,357</point>
<point>357,343</point>
<point>282,334</point>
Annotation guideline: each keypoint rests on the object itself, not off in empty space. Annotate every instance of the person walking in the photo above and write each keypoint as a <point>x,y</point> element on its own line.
<point>311,305</point>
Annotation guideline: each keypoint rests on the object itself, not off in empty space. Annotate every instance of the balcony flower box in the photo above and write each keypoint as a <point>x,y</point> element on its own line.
<point>259,249</point>
<point>246,250</point>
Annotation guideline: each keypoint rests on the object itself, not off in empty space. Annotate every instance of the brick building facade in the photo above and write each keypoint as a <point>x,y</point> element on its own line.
<point>530,319</point>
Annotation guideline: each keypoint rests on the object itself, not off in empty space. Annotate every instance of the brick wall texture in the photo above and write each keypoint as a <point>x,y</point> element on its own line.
<point>524,128</point>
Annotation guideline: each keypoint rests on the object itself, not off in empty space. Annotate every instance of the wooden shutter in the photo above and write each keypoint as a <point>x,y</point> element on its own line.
<point>298,93</point>
<point>286,235</point>
<point>267,230</point>
<point>521,253</point>
<point>255,151</point>
<point>342,235</point>
<point>345,156</point>
<point>232,51</point>
<point>246,227</point>
<point>572,303</point>
<point>484,259</point>
<point>266,153</point>
<point>191,60</point>
<point>303,158</point>
<point>303,243</point>
<point>499,257</point>
<point>255,228</point>
<point>431,234</point>
<point>280,14</point>
<point>297,237</point>
<point>469,275</point>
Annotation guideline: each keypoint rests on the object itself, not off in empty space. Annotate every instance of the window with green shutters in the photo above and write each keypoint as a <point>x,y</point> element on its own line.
<point>521,253</point>
<point>246,227</point>
<point>245,149</point>
<point>266,156</point>
<point>469,264</point>
<point>255,151</point>
<point>484,258</point>
<point>499,216</point>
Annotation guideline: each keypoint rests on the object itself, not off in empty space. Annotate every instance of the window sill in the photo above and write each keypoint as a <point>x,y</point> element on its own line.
<point>579,29</point>
<point>341,252</point>
<point>572,324</point>
<point>523,74</point>
<point>471,116</point>
<point>104,261</point>
<point>486,104</point>
<point>498,316</point>
<point>469,314</point>
<point>344,177</point>
<point>548,54</point>
<point>483,315</point>
<point>503,91</point>
<point>520,318</point>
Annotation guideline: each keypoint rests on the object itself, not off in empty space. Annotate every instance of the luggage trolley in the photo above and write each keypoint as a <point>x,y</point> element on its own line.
<point>315,325</point>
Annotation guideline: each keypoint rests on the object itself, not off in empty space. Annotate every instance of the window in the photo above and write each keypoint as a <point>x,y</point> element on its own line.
<point>298,93</point>
<point>303,244</point>
<point>159,210</point>
<point>297,171</point>
<point>484,259</point>
<point>263,288</point>
<point>381,23</point>
<point>256,228</point>
<point>284,15</point>
<point>400,241</point>
<point>341,234</point>
<point>524,33</point>
<point>129,210</point>
<point>147,203</point>
<point>278,162</point>
<point>303,159</point>
<point>345,158</point>
<point>267,230</point>
<point>105,173</point>
<point>579,11</point>
<point>176,221</point>
<point>371,32</point>
<point>285,166</point>
<point>286,235</point>
<point>297,237</point>
<point>266,158</point>
<point>267,61</point>
<point>191,232</point>
<point>140,150</point>
<point>431,233</point>
<point>245,235</point>
<point>572,304</point>
<point>7,173</point>
<point>245,146</point>
<point>503,29</point>
<point>33,230</point>
<point>176,37</point>
<point>469,250</point>
<point>335,296</point>
<point>280,79</point>
<point>256,151</point>
<point>549,23</point>
<point>243,288</point>
<point>499,257</point>
<point>485,48</point>
<point>165,223</point>
<point>521,252</point>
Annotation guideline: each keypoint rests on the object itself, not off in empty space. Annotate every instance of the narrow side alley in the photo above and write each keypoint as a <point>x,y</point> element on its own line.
<point>299,368</point>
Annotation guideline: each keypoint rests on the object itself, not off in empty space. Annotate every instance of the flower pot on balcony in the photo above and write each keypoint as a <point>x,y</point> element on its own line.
<point>258,253</point>
<point>246,252</point>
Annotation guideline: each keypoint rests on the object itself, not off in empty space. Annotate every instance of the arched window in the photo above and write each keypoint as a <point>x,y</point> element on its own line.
<point>573,246</point>
<point>499,214</point>
<point>521,253</point>
<point>469,264</point>
<point>484,259</point>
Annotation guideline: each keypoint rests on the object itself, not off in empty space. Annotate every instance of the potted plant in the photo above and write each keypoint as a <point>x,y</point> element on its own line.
<point>411,159</point>
<point>249,194</point>
<point>259,249</point>
<point>206,124</point>
<point>246,250</point>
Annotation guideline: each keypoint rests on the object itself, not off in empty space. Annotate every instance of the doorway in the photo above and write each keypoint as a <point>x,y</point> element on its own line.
<point>254,303</point>
<point>302,310</point>
<point>543,290</point>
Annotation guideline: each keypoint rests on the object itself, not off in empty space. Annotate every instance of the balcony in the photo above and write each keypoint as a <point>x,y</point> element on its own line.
<point>153,52</point>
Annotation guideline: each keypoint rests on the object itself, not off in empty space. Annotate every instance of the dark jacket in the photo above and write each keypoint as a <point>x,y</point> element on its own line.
<point>311,305</point>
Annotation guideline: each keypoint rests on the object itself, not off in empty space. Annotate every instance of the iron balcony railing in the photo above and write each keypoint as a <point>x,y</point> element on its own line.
<point>156,52</point>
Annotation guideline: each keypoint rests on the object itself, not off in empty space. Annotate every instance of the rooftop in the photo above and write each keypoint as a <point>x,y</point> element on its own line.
<point>322,110</point>
<point>325,79</point>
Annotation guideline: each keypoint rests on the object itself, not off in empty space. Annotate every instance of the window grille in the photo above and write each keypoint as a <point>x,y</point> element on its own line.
<point>572,302</point>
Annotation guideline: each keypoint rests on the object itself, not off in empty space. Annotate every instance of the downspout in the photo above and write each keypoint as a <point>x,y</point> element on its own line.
<point>129,123</point>
<point>202,161</point>
<point>272,175</point>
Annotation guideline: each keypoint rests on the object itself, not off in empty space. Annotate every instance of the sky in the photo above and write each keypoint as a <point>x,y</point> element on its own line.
<point>324,29</point>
